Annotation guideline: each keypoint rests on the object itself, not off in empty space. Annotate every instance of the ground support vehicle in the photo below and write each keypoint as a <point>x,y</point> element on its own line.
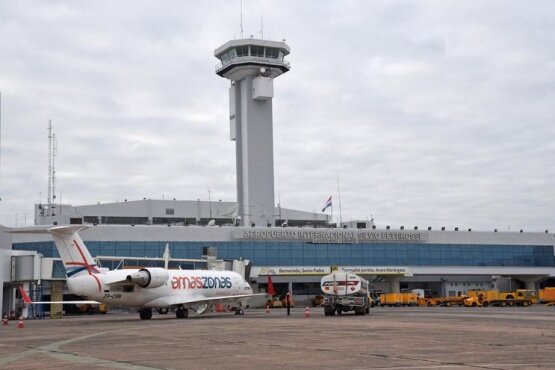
<point>428,302</point>
<point>92,309</point>
<point>484,298</point>
<point>398,299</point>
<point>452,301</point>
<point>317,300</point>
<point>344,292</point>
<point>390,299</point>
<point>547,295</point>
<point>522,296</point>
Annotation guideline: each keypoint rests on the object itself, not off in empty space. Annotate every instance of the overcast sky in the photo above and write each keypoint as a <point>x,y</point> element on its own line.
<point>431,113</point>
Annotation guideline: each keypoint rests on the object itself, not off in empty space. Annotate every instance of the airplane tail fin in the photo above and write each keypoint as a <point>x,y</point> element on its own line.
<point>75,255</point>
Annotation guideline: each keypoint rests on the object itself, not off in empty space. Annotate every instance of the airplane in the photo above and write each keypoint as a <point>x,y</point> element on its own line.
<point>147,288</point>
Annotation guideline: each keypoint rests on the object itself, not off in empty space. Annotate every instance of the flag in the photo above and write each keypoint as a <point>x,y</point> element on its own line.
<point>270,291</point>
<point>328,204</point>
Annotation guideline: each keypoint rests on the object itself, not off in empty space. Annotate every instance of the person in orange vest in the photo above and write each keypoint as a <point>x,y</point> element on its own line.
<point>288,302</point>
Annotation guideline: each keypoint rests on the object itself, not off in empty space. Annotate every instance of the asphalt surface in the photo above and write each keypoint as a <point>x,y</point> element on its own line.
<point>389,338</point>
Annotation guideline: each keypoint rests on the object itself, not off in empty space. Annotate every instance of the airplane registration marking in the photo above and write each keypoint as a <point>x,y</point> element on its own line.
<point>112,296</point>
<point>200,282</point>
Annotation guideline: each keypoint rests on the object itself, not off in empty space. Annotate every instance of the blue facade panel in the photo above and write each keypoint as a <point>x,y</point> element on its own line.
<point>263,253</point>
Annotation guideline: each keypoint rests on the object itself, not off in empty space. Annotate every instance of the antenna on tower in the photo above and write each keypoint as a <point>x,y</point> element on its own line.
<point>54,154</point>
<point>241,18</point>
<point>262,27</point>
<point>49,199</point>
<point>52,151</point>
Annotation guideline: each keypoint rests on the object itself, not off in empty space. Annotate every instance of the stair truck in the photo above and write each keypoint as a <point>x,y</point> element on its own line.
<point>344,292</point>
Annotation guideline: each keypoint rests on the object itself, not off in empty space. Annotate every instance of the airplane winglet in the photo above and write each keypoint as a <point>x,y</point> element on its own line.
<point>24,295</point>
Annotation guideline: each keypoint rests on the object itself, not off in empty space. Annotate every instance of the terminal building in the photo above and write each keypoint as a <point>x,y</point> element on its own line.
<point>295,247</point>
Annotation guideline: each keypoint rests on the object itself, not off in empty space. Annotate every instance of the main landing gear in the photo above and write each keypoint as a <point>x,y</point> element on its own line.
<point>239,311</point>
<point>181,312</point>
<point>145,313</point>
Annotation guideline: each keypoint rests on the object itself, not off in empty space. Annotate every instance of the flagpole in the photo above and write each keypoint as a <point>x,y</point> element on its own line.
<point>332,210</point>
<point>339,194</point>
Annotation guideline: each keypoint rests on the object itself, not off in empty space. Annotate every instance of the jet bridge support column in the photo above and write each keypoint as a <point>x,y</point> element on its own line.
<point>530,281</point>
<point>394,283</point>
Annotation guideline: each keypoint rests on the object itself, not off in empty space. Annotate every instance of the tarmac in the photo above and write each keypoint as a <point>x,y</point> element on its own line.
<point>388,338</point>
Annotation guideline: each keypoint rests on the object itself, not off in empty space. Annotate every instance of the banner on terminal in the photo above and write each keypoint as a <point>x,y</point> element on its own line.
<point>374,270</point>
<point>323,236</point>
<point>325,270</point>
<point>290,270</point>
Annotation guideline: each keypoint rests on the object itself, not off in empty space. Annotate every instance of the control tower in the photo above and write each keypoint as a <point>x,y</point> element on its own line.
<point>252,65</point>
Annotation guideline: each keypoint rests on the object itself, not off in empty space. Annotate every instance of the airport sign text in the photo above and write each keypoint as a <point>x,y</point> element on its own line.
<point>323,236</point>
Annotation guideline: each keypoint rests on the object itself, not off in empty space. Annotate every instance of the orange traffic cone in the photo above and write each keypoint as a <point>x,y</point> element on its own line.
<point>267,308</point>
<point>20,324</point>
<point>307,312</point>
<point>4,320</point>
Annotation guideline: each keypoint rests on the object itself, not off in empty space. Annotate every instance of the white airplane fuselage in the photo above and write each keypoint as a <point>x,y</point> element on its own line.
<point>193,285</point>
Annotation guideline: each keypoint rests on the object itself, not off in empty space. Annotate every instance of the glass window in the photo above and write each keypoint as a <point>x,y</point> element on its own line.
<point>242,51</point>
<point>272,53</point>
<point>257,51</point>
<point>91,219</point>
<point>58,269</point>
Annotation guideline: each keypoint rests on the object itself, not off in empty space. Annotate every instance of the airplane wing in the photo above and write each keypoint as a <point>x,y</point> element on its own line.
<point>195,300</point>
<point>64,302</point>
<point>27,300</point>
<point>118,282</point>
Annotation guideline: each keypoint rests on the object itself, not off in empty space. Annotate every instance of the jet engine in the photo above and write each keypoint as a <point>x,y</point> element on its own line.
<point>153,277</point>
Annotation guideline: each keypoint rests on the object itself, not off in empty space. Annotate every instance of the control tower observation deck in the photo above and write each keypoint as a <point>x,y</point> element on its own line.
<point>252,65</point>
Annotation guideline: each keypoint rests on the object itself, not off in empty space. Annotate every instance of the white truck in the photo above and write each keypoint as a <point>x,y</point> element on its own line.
<point>344,292</point>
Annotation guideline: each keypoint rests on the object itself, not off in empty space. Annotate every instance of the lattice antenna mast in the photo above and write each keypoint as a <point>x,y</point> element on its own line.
<point>49,199</point>
<point>54,154</point>
<point>241,18</point>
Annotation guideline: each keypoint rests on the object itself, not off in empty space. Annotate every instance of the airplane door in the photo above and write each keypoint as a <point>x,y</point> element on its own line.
<point>236,285</point>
